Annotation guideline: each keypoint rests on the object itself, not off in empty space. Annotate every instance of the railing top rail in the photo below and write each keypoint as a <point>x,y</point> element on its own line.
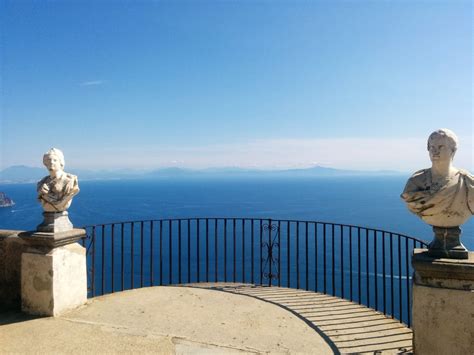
<point>343,225</point>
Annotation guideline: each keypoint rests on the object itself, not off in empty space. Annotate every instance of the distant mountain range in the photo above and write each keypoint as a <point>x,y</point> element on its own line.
<point>26,174</point>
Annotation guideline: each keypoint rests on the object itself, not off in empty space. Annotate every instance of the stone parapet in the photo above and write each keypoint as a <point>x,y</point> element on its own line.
<point>443,304</point>
<point>11,248</point>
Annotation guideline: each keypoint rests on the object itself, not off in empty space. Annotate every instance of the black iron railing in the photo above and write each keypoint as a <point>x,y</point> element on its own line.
<point>364,265</point>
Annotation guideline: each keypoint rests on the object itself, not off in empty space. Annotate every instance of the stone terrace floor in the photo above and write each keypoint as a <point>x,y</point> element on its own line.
<point>208,319</point>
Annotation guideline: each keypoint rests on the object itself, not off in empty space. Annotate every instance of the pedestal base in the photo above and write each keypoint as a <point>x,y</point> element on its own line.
<point>446,244</point>
<point>55,222</point>
<point>443,304</point>
<point>53,282</point>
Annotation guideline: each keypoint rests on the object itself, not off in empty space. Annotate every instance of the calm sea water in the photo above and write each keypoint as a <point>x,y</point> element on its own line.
<point>366,201</point>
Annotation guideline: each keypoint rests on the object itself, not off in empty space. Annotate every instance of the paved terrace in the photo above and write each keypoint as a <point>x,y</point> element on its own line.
<point>208,319</point>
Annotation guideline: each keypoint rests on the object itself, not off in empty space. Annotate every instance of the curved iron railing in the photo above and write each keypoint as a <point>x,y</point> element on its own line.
<point>364,265</point>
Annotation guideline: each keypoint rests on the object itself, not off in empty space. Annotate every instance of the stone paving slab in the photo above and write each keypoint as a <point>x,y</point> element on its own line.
<point>166,320</point>
<point>348,327</point>
<point>195,319</point>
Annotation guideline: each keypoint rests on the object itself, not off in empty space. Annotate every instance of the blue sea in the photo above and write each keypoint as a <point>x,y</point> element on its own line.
<point>365,201</point>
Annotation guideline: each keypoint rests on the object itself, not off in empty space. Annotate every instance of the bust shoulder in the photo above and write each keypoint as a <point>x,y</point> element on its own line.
<point>421,173</point>
<point>420,178</point>
<point>70,177</point>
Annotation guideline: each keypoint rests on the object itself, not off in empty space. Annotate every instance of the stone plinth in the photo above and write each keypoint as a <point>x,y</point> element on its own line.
<point>53,273</point>
<point>55,222</point>
<point>443,304</point>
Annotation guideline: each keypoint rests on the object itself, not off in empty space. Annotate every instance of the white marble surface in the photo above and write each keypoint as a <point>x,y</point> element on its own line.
<point>55,191</point>
<point>442,196</point>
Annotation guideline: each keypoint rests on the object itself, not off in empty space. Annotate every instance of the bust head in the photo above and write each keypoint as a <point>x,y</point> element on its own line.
<point>53,159</point>
<point>442,145</point>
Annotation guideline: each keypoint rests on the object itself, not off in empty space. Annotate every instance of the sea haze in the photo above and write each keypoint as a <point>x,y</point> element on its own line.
<point>366,201</point>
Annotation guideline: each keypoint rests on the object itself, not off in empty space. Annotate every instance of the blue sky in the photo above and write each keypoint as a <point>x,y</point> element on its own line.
<point>266,84</point>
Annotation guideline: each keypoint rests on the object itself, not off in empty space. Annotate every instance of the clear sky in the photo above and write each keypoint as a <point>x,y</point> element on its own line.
<point>268,84</point>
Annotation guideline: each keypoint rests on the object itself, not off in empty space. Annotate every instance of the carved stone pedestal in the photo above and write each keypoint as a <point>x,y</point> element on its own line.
<point>443,304</point>
<point>446,244</point>
<point>53,273</point>
<point>55,222</point>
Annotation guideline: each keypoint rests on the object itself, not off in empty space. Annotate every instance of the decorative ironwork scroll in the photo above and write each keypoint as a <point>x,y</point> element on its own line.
<point>270,245</point>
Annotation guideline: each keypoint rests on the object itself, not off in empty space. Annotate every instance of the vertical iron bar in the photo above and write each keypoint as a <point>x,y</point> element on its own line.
<point>170,249</point>
<point>103,257</point>
<point>306,256</point>
<point>359,266</point>
<point>400,277</point>
<point>375,272</point>
<point>113,254</point>
<point>225,249</point>
<point>198,227</point>
<point>297,254</point>
<point>270,252</point>
<point>122,253</point>
<point>324,260</point>
<point>350,263</point>
<point>279,254</point>
<point>132,233</point>
<point>179,250</point>
<point>215,249</point>
<point>207,249</point>
<point>252,252</point>
<point>189,250</point>
<point>161,252</point>
<point>243,250</point>
<point>333,266</point>
<point>367,267</point>
<point>407,283</point>
<point>93,262</point>
<point>288,243</point>
<point>384,276</point>
<point>234,251</point>
<point>316,257</point>
<point>342,259</point>
<point>391,277</point>
<point>151,252</point>
<point>141,254</point>
<point>261,252</point>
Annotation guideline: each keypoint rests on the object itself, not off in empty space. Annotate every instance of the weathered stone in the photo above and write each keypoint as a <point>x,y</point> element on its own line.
<point>53,282</point>
<point>442,196</point>
<point>46,241</point>
<point>11,248</point>
<point>55,222</point>
<point>443,304</point>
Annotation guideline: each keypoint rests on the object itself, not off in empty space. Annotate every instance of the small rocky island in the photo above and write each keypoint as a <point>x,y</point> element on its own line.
<point>5,201</point>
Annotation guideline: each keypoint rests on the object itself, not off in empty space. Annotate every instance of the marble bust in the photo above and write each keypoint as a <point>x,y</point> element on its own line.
<point>442,196</point>
<point>55,192</point>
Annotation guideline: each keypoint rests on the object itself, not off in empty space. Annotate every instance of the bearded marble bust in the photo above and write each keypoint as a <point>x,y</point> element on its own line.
<point>55,191</point>
<point>442,196</point>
